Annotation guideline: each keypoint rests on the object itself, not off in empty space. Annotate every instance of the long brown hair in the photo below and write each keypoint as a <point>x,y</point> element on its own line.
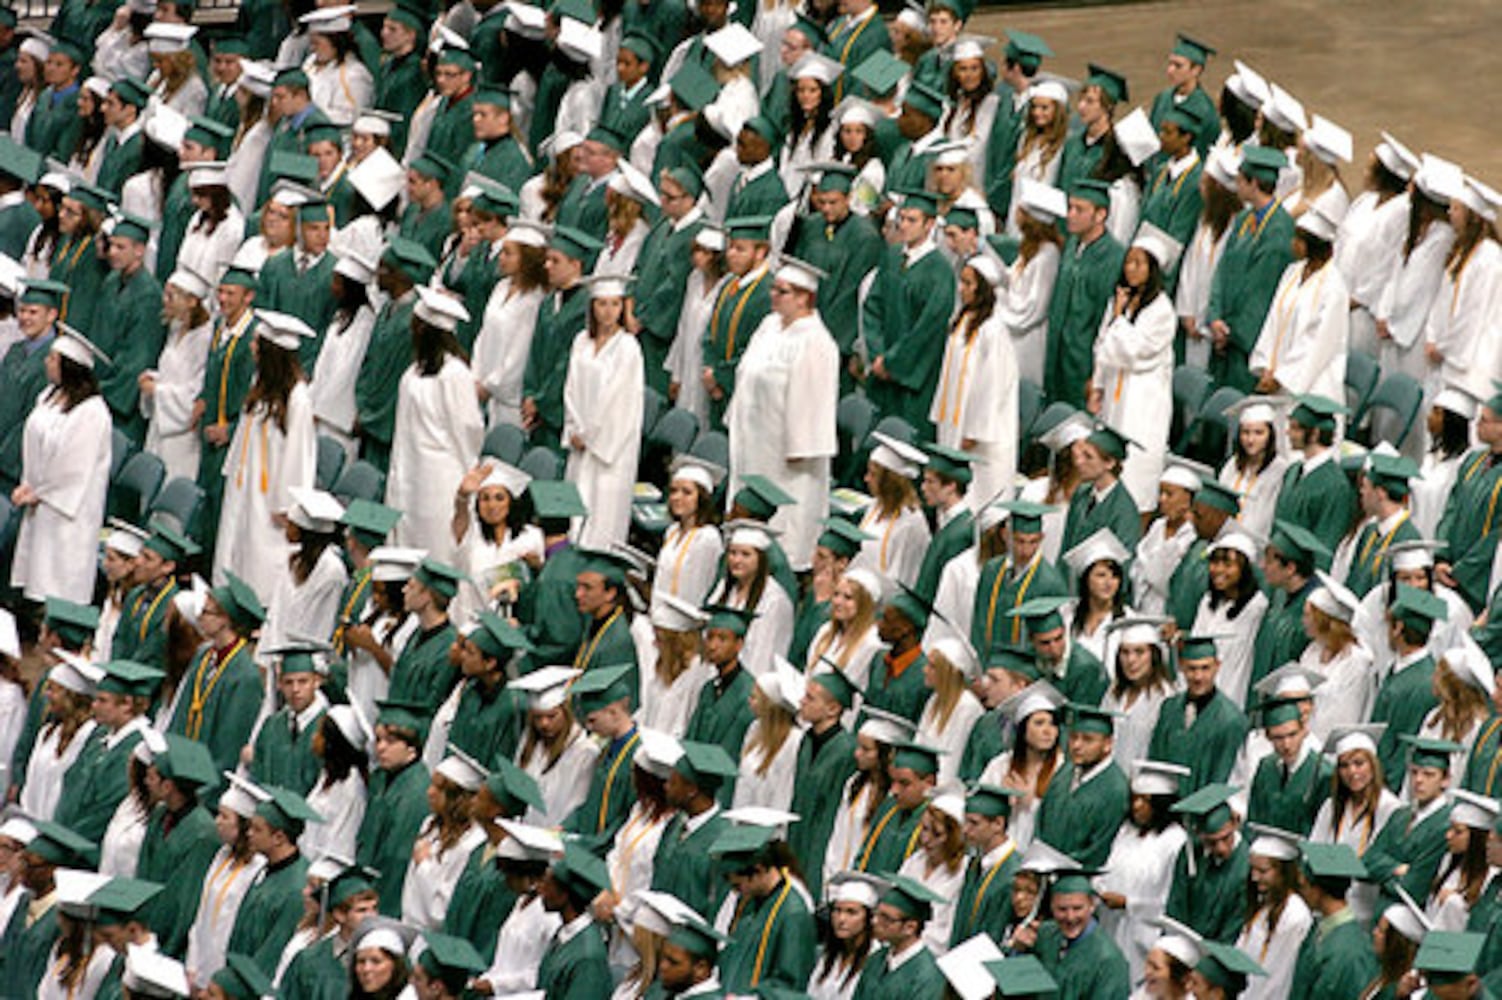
<point>894,493</point>
<point>1461,705</point>
<point>277,372</point>
<point>675,654</point>
<point>1050,137</point>
<point>1022,754</point>
<point>864,620</point>
<point>532,273</point>
<point>1035,235</point>
<point>1367,804</point>
<point>1273,900</point>
<point>1467,239</point>
<point>774,724</point>
<point>454,817</point>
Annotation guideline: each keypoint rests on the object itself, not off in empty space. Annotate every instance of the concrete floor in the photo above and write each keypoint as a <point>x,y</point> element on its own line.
<point>1429,73</point>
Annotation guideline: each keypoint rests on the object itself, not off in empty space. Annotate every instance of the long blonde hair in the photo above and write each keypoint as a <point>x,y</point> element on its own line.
<point>949,685</point>
<point>773,726</point>
<point>675,653</point>
<point>894,493</point>
<point>848,635</point>
<point>554,747</point>
<point>1050,137</point>
<point>1461,705</point>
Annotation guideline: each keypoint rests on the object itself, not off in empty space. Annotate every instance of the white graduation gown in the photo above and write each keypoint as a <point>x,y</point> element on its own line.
<point>774,788</point>
<point>1234,641</point>
<point>896,547</point>
<point>976,401</point>
<point>953,737</point>
<point>1275,949</point>
<point>47,766</point>
<point>618,257</point>
<point>947,884</point>
<point>519,946</point>
<point>209,253</point>
<point>436,441</point>
<point>853,654</point>
<point>1356,834</point>
<point>667,708</point>
<point>1368,246</point>
<point>1134,728</point>
<point>603,399</point>
<point>306,610</point>
<point>65,459</point>
<point>171,435</point>
<point>430,882</point>
<point>1459,325</point>
<point>1134,373</point>
<point>101,960</point>
<point>486,563</point>
<point>224,888</point>
<point>1022,307</point>
<point>781,420</point>
<point>630,863</point>
<point>954,601</point>
<point>685,360</point>
<point>243,169</point>
<point>339,361</point>
<point>341,90</point>
<point>1259,493</point>
<point>842,850</point>
<point>1405,299</point>
<point>1350,687</point>
<point>501,348</point>
<point>1192,297</point>
<point>342,806</point>
<point>1303,338</point>
<point>563,785</point>
<point>1428,493</point>
<point>1033,166</point>
<point>1158,555</point>
<point>120,848</point>
<point>261,466</point>
<point>688,562</point>
<point>1141,869</point>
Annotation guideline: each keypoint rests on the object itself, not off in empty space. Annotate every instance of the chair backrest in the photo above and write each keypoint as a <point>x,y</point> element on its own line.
<point>1029,404</point>
<point>1362,375</point>
<point>1402,395</point>
<point>9,525</point>
<point>893,427</point>
<point>360,479</point>
<point>854,416</point>
<point>121,448</point>
<point>712,446</point>
<point>1191,387</point>
<point>330,461</point>
<point>506,442</point>
<point>1207,438</point>
<point>542,462</point>
<point>675,430</point>
<point>137,485</point>
<point>180,500</point>
<point>652,407</point>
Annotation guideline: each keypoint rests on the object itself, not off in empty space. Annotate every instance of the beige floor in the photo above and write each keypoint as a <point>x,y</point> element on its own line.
<point>1429,71</point>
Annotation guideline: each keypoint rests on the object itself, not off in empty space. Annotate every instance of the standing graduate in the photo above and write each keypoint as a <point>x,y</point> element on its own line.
<point>34,928</point>
<point>903,966</point>
<point>1200,728</point>
<point>1210,873</point>
<point>397,804</point>
<point>744,299</point>
<point>1090,262</point>
<point>423,671</point>
<point>1088,798</point>
<point>282,748</point>
<point>1009,580</point>
<point>1301,348</point>
<point>1335,958</point>
<point>227,377</point>
<point>1185,93</point>
<point>772,934</point>
<point>402,266</point>
<point>1139,874</point>
<point>232,871</point>
<point>555,750</point>
<point>570,255</point>
<point>1102,500</point>
<point>843,243</point>
<point>181,841</point>
<point>1316,495</point>
<point>169,388</point>
<point>984,903</point>
<point>1084,961</point>
<point>574,966</point>
<point>1290,784</point>
<point>1468,527</point>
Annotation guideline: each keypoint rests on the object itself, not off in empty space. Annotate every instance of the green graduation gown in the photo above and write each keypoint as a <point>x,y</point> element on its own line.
<point>1409,839</point>
<point>1289,804</point>
<point>1084,680</point>
<point>1087,274</point>
<point>283,753</point>
<point>120,161</point>
<point>144,637</point>
<point>422,672</point>
<point>480,903</point>
<point>610,795</point>
<point>127,325</point>
<point>24,373</point>
<point>562,316</point>
<point>607,642</point>
<point>400,88</point>
<point>906,321</point>
<point>757,193</point>
<point>984,905</point>
<point>427,226</point>
<point>896,684</point>
<point>178,857</point>
<point>1001,151</point>
<point>684,867</point>
<point>16,223</point>
<point>957,535</point>
<point>825,761</point>
<point>1082,822</point>
<point>988,739</point>
<point>1207,746</point>
<point>917,976</point>
<point>54,126</point>
<point>1087,514</point>
<point>846,251</point>
<point>27,950</point>
<point>1369,565</point>
<point>722,715</point>
<point>504,160</point>
<point>394,811</point>
<point>487,721</point>
<point>1173,201</point>
<point>1002,588</point>
<point>1320,500</point>
<point>95,784</point>
<point>386,358</point>
<point>624,110</point>
<point>548,611</point>
<point>1080,156</point>
<point>772,940</point>
<point>740,306</point>
<point>221,698</point>
<point>1471,523</point>
<point>1335,961</point>
<point>227,375</point>
<point>891,838</point>
<point>1241,290</point>
<point>1090,967</point>
<point>289,136</point>
<point>222,107</point>
<point>1210,895</point>
<point>77,263</point>
<point>1485,761</point>
<point>1404,698</point>
<point>175,218</point>
<point>853,40</point>
<point>315,973</point>
<point>293,284</point>
<point>583,206</point>
<point>576,969</point>
<point>1280,635</point>
<point>270,912</point>
<point>662,269</point>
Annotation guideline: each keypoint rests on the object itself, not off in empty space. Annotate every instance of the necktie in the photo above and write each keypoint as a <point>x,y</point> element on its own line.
<point>292,726</point>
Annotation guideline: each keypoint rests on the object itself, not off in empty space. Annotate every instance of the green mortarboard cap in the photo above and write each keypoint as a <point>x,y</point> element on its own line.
<point>755,227</point>
<point>1195,51</point>
<point>951,463</point>
<point>1026,516</point>
<point>1198,647</point>
<point>842,537</point>
<point>211,133</point>
<point>758,495</point>
<point>1075,881</point>
<point>1022,976</point>
<point>555,499</point>
<point>128,677</point>
<point>450,954</point>
<point>494,96</point>
<point>990,800</point>
<point>298,657</point>
<point>1097,193</point>
<point>916,757</point>
<point>602,686</point>
<point>1111,82</point>
<point>1262,163</point>
<point>1276,711</point>
<point>613,566</point>
<point>131,91</point>
<point>1494,402</point>
<point>640,45</point>
<point>1217,495</point>
<point>1331,860</point>
<point>171,544</point>
<point>238,600</point>
<point>1042,614</point>
<point>132,227</point>
<point>608,137</point>
<point>1418,608</point>
<point>1446,957</point>
<point>1316,412</point>
<point>1012,658</point>
<point>351,882</point>
<point>742,845</point>
<point>186,761</point>
<point>962,218</point>
<point>707,765</point>
<point>74,49</point>
<point>1026,49</point>
<point>577,244</point>
<point>241,978</point>
<point>1424,751</point>
<point>401,714</point>
<point>1207,807</point>
<point>693,86</point>
<point>581,872</point>
<point>120,899</point>
<point>60,846</point>
<point>880,72</point>
<point>834,680</point>
<point>1006,247</point>
<point>1392,473</point>
<point>1225,966</point>
<point>512,787</point>
<point>914,606</point>
<point>434,165</point>
<point>92,197</point>
<point>292,77</point>
<point>696,937</point>
<point>24,164</point>
<point>286,810</point>
<point>909,896</point>
<point>44,292</point>
<point>440,578</point>
<point>289,166</point>
<point>7,16</point>
<point>809,29</point>
<point>413,18</point>
<point>1107,438</point>
<point>689,177</point>
<point>835,177</point>
<point>322,133</point>
<point>231,45</point>
<point>368,521</point>
<point>72,621</point>
<point>763,126</point>
<point>734,620</point>
<point>240,277</point>
<point>1186,116</point>
<point>1090,719</point>
<point>496,199</point>
<point>496,637</point>
<point>924,99</point>
<point>1300,546</point>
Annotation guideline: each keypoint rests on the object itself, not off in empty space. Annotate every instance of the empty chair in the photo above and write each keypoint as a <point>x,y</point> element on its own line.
<point>136,486</point>
<point>712,446</point>
<point>853,419</point>
<point>893,427</point>
<point>360,479</point>
<point>179,500</point>
<point>1029,403</point>
<point>1362,375</point>
<point>1191,387</point>
<point>1207,438</point>
<point>330,462</point>
<point>542,462</point>
<point>674,431</point>
<point>1398,399</point>
<point>506,442</point>
<point>121,448</point>
<point>653,404</point>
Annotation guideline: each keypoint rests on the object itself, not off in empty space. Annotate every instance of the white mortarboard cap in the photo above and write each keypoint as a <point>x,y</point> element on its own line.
<point>1317,222</point>
<point>560,142</point>
<point>10,639</point>
<point>527,234</point>
<point>608,286</point>
<point>1328,140</point>
<point>1334,599</point>
<point>282,329</point>
<point>378,178</point>
<point>546,687</point>
<point>959,654</point>
<point>355,265</point>
<point>525,842</point>
<point>1137,137</point>
<point>242,795</point>
<point>653,911</point>
<point>766,817</point>
<point>439,309</point>
<point>987,267</point>
<point>1481,199</point>
<point>1179,940</point>
<point>1285,111</point>
<point>732,44</point>
<point>352,725</point>
<point>711,238</point>
<point>855,887</point>
<point>964,966</point>
<point>1138,630</point>
<point>330,20</point>
<point>1343,739</point>
<point>314,510</point>
<point>1249,86</point>
<point>912,18</point>
<point>76,347</point>
<point>1186,473</point>
<point>800,274</point>
<point>207,173</point>
<point>383,939</point>
<point>1271,842</point>
<point>1396,157</point>
<point>1470,664</point>
<point>445,37</point>
<point>1417,553</point>
<point>952,153</point>
<point>1156,777</point>
<point>1052,90</point>
<point>37,48</point>
<point>869,581</point>
<point>634,184</point>
<point>816,66</point>
<point>989,517</point>
<point>1044,858</point>
<point>1039,696</point>
<point>189,601</point>
<point>255,77</point>
<point>389,564</point>
<point>99,86</point>
<point>75,886</point>
<point>784,684</point>
<point>675,614</point>
<point>372,122</point>
<point>1223,165</point>
<point>1237,541</point>
<point>885,727</point>
<point>149,973</point>
<point>164,38</point>
<point>1438,178</point>
<point>855,111</point>
<point>970,47</point>
<point>1457,401</point>
<point>190,281</point>
<point>752,534</point>
<point>1254,410</point>
<point>462,769</point>
<point>507,476</point>
<point>18,827</point>
<point>1162,247</point>
<point>75,672</point>
<point>1479,812</point>
<point>584,42</point>
<point>1406,916</point>
<point>527,20</point>
<point>1075,427</point>
<point>951,805</point>
<point>12,275</point>
<point>1291,680</point>
<point>701,472</point>
<point>897,456</point>
<point>1103,544</point>
<point>658,752</point>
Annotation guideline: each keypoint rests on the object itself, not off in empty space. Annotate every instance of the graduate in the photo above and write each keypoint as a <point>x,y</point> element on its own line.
<point>445,842</point>
<point>1091,260</point>
<point>1066,664</point>
<point>282,748</point>
<point>1316,494</point>
<point>181,841</point>
<point>898,532</point>
<point>1201,728</point>
<point>984,903</point>
<point>269,914</point>
<point>227,377</point>
<point>563,313</point>
<point>903,965</point>
<point>555,750</point>
<point>423,671</point>
<point>1406,694</point>
<point>682,865</point>
<point>1088,798</point>
<point>772,939</point>
<point>231,872</point>
<point>131,296</point>
<point>64,735</point>
<point>34,929</point>
<point>896,823</point>
<point>951,712</point>
<point>141,634</point>
<point>349,898</point>
<point>574,964</point>
<point>689,559</point>
<point>169,388</point>
<point>1186,94</point>
<point>1101,500</point>
<point>1336,960</point>
<point>296,281</point>
<point>1169,537</point>
<point>1467,525</point>
<point>1210,874</point>
<point>1009,580</point>
<point>896,677</point>
<point>342,744</point>
<point>401,266</point>
<point>743,301</point>
<point>602,697</point>
<point>1288,785</point>
<point>397,803</point>
<point>96,784</point>
<point>1302,346</point>
<point>1085,962</point>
